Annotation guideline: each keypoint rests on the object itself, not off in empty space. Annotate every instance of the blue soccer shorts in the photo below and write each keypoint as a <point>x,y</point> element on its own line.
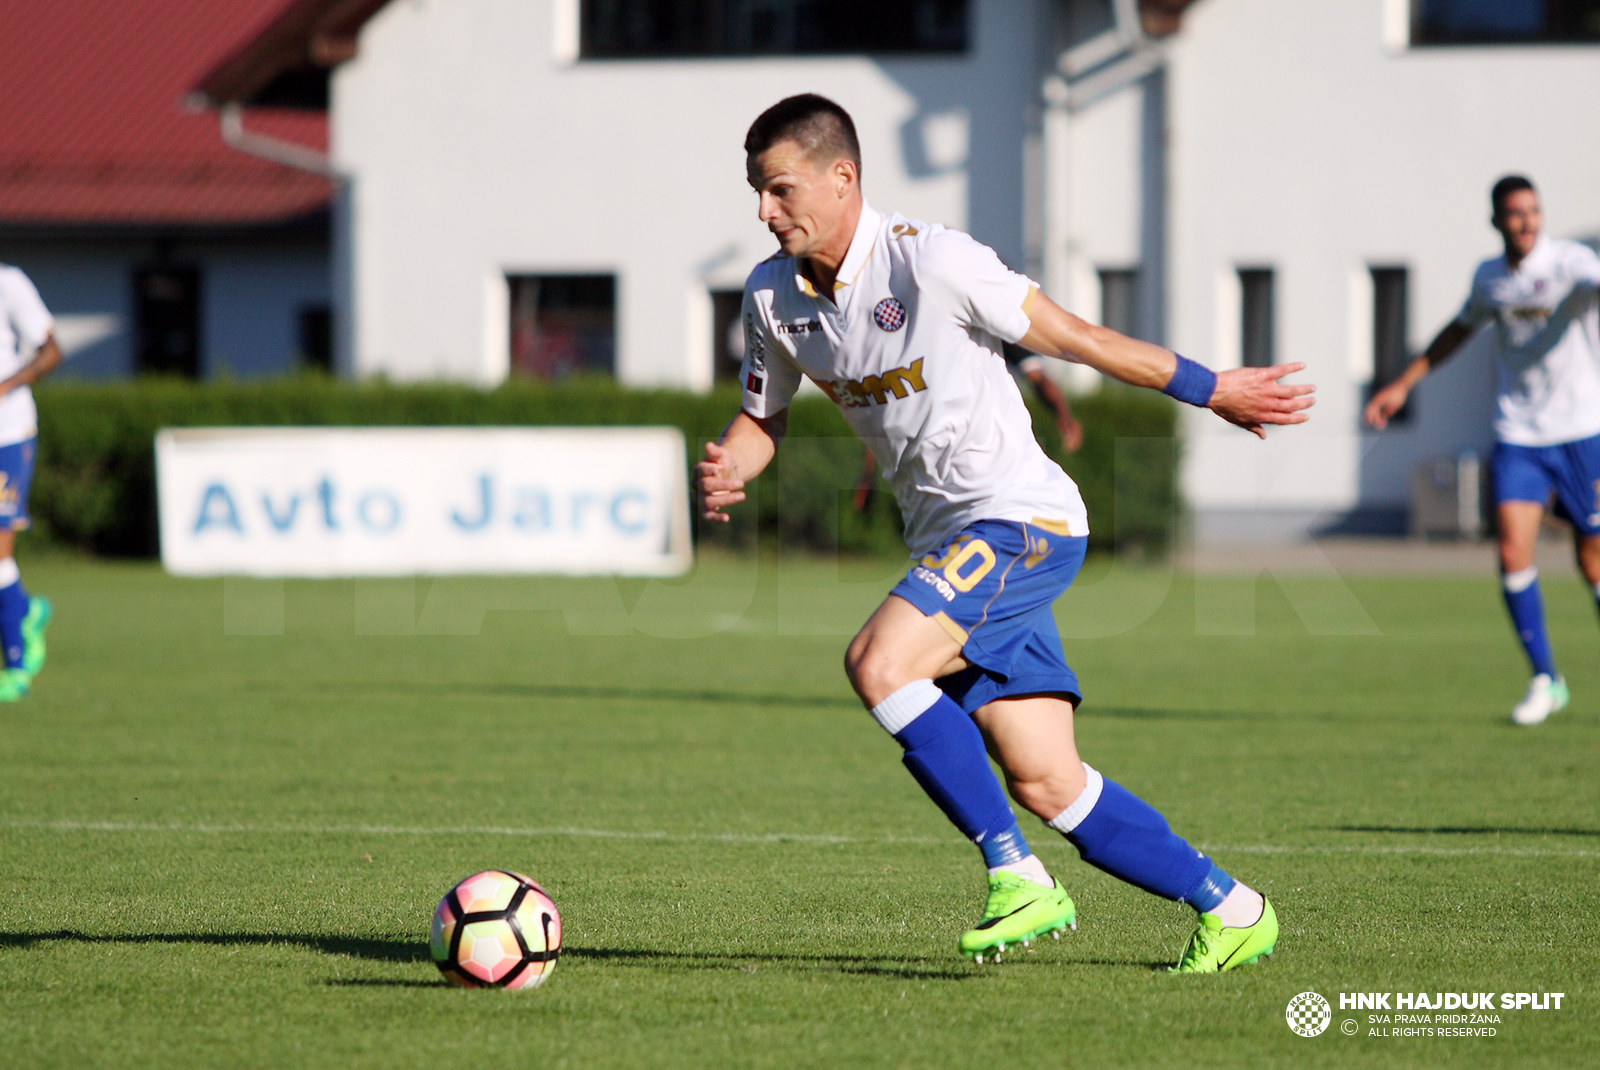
<point>16,476</point>
<point>1571,470</point>
<point>992,588</point>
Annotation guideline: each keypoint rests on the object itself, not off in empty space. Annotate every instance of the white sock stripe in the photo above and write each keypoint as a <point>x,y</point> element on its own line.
<point>9,573</point>
<point>906,705</point>
<point>1521,579</point>
<point>1073,816</point>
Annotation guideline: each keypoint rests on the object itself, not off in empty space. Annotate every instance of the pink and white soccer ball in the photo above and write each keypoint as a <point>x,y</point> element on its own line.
<point>496,929</point>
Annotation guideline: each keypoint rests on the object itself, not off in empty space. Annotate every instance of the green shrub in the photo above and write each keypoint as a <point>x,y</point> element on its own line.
<point>95,484</point>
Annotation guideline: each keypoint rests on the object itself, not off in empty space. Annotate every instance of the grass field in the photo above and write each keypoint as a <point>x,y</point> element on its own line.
<point>223,849</point>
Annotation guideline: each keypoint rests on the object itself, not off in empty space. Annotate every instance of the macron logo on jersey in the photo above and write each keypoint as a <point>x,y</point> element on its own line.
<point>857,393</point>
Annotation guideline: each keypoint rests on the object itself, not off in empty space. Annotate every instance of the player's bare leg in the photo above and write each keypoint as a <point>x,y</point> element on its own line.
<point>1519,534</point>
<point>892,664</point>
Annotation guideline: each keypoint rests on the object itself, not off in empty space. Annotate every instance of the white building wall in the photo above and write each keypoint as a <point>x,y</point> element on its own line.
<point>477,149</point>
<point>1307,137</point>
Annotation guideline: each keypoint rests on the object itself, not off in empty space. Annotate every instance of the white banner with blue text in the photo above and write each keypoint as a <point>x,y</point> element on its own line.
<point>338,501</point>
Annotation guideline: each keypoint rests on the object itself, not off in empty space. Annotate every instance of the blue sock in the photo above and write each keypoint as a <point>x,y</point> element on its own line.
<point>13,607</point>
<point>945,753</point>
<point>1523,601</point>
<point>1121,834</point>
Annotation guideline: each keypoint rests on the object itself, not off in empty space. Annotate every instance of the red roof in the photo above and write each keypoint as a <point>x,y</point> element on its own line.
<point>94,130</point>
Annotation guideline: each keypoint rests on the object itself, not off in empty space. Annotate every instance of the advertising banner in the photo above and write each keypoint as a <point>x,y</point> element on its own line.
<point>409,501</point>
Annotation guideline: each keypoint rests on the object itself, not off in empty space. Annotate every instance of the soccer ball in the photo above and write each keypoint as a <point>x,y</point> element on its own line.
<point>496,929</point>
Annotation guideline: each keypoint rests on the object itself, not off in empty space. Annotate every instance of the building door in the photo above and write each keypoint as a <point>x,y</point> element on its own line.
<point>168,312</point>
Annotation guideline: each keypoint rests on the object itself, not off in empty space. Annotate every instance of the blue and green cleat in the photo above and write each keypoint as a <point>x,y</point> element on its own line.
<point>13,685</point>
<point>1017,911</point>
<point>33,626</point>
<point>1213,949</point>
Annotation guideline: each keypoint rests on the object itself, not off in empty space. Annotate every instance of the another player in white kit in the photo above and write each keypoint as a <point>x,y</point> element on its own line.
<point>28,351</point>
<point>901,323</point>
<point>1541,295</point>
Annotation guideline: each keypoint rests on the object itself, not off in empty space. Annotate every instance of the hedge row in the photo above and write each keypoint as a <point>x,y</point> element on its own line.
<point>95,483</point>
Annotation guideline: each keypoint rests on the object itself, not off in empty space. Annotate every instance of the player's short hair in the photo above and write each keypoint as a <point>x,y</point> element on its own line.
<point>1506,187</point>
<point>821,128</point>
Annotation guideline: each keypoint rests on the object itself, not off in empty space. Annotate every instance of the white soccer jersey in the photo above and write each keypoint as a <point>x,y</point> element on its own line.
<point>1548,357</point>
<point>909,349</point>
<point>24,325</point>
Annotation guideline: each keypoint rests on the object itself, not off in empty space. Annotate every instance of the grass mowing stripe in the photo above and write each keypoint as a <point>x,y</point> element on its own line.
<point>753,838</point>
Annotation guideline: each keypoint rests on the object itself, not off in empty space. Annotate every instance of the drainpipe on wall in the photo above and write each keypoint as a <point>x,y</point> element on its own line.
<point>1085,73</point>
<point>287,153</point>
<point>301,158</point>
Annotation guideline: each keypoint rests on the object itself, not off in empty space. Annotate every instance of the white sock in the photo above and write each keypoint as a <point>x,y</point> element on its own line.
<point>9,573</point>
<point>1520,580</point>
<point>1597,590</point>
<point>906,705</point>
<point>1073,816</point>
<point>1029,867</point>
<point>1241,908</point>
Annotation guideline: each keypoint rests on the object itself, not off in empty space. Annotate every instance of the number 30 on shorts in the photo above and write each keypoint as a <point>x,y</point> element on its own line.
<point>959,555</point>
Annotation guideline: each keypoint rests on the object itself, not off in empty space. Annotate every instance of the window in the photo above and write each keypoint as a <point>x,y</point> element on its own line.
<point>662,29</point>
<point>1390,328</point>
<point>316,337</point>
<point>167,298</point>
<point>1256,329</point>
<point>1492,22</point>
<point>727,342</point>
<point>1119,299</point>
<point>563,324</point>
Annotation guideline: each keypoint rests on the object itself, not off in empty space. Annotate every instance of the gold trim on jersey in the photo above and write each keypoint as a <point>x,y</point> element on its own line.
<point>1054,527</point>
<point>951,628</point>
<point>1027,302</point>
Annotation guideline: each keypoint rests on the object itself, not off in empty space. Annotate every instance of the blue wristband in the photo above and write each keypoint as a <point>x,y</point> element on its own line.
<point>1192,383</point>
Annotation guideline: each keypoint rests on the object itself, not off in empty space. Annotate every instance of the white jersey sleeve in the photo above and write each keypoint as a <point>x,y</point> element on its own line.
<point>1583,266</point>
<point>25,309</point>
<point>967,277</point>
<point>768,376</point>
<point>1478,309</point>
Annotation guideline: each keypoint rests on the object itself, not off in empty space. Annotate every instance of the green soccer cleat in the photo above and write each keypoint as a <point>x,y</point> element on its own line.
<point>1017,911</point>
<point>33,626</point>
<point>13,685</point>
<point>1213,949</point>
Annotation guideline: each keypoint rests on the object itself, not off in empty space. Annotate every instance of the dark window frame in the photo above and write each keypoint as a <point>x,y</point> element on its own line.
<point>1391,331</point>
<point>562,324</point>
<point>1119,299</point>
<point>700,29</point>
<point>1565,22</point>
<point>1258,316</point>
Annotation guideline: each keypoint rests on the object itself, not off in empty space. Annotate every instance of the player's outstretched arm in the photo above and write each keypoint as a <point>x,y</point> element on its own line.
<point>1247,397</point>
<point>1392,398</point>
<point>746,447</point>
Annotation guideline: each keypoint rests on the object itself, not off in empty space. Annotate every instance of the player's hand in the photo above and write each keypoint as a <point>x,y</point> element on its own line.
<point>1252,397</point>
<point>1071,433</point>
<point>717,483</point>
<point>1384,404</point>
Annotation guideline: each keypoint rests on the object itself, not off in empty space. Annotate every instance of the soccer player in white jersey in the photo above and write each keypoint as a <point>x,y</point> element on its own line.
<point>28,351</point>
<point>1541,295</point>
<point>901,323</point>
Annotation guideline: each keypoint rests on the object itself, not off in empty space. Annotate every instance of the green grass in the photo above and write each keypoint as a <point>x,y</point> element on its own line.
<point>222,850</point>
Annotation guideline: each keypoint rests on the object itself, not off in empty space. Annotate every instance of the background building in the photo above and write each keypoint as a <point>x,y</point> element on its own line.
<point>540,187</point>
<point>159,247</point>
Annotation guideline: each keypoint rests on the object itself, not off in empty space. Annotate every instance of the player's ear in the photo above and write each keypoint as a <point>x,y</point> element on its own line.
<point>844,174</point>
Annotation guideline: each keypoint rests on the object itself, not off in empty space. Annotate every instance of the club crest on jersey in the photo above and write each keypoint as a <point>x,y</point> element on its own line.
<point>889,314</point>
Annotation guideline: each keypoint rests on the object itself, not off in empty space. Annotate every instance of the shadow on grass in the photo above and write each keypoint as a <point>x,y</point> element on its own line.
<point>578,691</point>
<point>355,947</point>
<point>1125,713</point>
<point>912,969</point>
<point>1463,830</point>
<point>383,982</point>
